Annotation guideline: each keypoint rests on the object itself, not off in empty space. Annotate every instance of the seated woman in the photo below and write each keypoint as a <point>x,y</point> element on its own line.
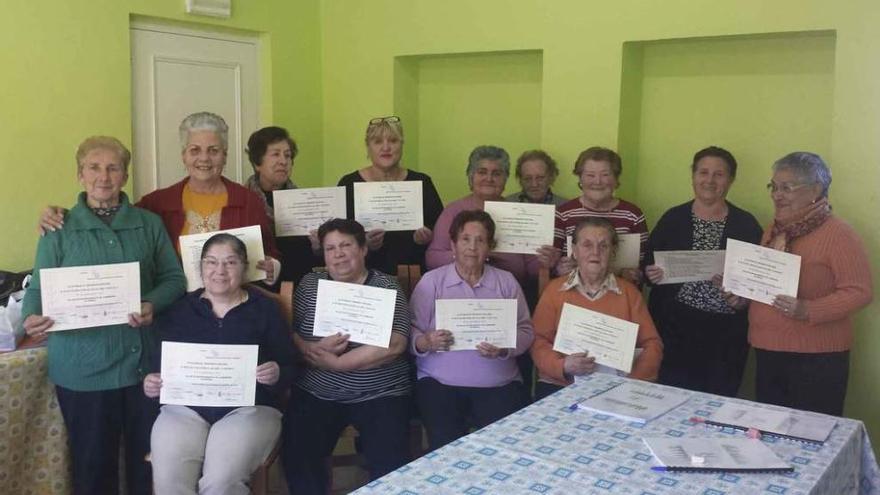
<point>466,388</point>
<point>384,140</point>
<point>598,170</point>
<point>536,172</point>
<point>271,152</point>
<point>97,371</point>
<point>592,286</point>
<point>345,382</point>
<point>704,337</point>
<point>215,449</point>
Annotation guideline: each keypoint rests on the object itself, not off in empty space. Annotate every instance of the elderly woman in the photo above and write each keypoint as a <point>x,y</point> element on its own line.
<point>97,371</point>
<point>345,382</point>
<point>592,286</point>
<point>384,140</point>
<point>598,171</point>
<point>204,201</point>
<point>536,172</point>
<point>704,337</point>
<point>215,449</point>
<point>802,343</point>
<point>469,387</point>
<point>271,152</point>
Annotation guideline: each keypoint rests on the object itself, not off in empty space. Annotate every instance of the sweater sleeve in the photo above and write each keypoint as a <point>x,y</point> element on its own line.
<point>432,204</point>
<point>48,256</point>
<point>647,366</point>
<point>421,303</point>
<point>439,252</point>
<point>169,281</point>
<point>853,286</point>
<point>548,361</point>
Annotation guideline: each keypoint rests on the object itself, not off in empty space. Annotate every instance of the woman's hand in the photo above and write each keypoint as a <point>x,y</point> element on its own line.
<point>334,344</point>
<point>436,341</point>
<point>634,275</point>
<point>791,307</point>
<point>654,274</point>
<point>142,319</point>
<point>269,265</point>
<point>566,265</point>
<point>36,326</point>
<point>152,385</point>
<point>489,351</point>
<point>423,236</point>
<point>375,238</point>
<point>314,241</point>
<point>320,358</point>
<point>578,364</point>
<point>268,373</point>
<point>732,300</point>
<point>548,255</point>
<point>51,219</point>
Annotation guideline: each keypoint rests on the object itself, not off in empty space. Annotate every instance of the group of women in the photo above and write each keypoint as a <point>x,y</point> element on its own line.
<point>693,335</point>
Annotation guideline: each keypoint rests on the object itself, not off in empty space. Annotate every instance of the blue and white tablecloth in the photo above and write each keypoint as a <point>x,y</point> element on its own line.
<point>550,448</point>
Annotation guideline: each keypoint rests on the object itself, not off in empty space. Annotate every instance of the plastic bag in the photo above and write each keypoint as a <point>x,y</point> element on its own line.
<point>11,329</point>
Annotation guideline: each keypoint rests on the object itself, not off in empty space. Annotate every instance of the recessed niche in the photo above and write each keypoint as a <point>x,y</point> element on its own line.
<point>759,96</point>
<point>451,103</point>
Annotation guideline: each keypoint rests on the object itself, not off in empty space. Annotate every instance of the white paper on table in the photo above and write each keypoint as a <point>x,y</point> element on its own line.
<point>393,205</point>
<point>689,266</point>
<point>90,296</point>
<point>636,401</point>
<point>299,211</point>
<point>473,321</point>
<point>191,254</point>
<point>521,227</point>
<point>799,425</point>
<point>213,375</point>
<point>759,273</point>
<point>715,454</point>
<point>628,248</point>
<point>365,313</point>
<point>612,341</point>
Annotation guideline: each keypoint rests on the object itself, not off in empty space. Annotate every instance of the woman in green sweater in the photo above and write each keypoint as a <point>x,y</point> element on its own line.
<point>98,371</point>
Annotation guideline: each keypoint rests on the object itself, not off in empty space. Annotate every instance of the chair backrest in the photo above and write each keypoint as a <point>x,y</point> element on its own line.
<point>408,276</point>
<point>284,299</point>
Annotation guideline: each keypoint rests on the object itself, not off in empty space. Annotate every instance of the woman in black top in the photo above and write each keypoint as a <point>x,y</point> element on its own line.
<point>384,142</point>
<point>703,332</point>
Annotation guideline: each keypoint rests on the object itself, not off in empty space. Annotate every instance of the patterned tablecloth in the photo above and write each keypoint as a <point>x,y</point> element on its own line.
<point>33,440</point>
<point>550,448</point>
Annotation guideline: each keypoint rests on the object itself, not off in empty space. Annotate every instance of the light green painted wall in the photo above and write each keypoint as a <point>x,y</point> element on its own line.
<point>832,105</point>
<point>66,75</point>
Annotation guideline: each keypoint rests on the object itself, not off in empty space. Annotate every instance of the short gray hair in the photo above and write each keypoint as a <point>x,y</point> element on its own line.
<point>809,167</point>
<point>204,121</point>
<point>493,153</point>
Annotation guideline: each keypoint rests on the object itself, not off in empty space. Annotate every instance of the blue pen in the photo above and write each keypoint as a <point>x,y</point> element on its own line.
<point>661,469</point>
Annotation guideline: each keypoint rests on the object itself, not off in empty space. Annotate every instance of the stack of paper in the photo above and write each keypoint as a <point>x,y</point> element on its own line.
<point>734,454</point>
<point>636,401</point>
<point>788,424</point>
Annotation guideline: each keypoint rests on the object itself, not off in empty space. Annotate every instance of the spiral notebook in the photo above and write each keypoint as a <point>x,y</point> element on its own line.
<point>794,425</point>
<point>738,455</point>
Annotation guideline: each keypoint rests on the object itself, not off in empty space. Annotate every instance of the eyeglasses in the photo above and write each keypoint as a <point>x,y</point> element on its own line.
<point>391,119</point>
<point>231,263</point>
<point>784,188</point>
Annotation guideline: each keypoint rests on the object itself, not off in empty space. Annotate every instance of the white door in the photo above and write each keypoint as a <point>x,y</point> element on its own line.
<point>178,72</point>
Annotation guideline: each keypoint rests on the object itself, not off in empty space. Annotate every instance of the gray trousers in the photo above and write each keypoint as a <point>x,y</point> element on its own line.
<point>190,456</point>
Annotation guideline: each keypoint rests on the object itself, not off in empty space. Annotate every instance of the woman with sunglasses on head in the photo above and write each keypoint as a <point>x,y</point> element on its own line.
<point>384,140</point>
<point>802,343</point>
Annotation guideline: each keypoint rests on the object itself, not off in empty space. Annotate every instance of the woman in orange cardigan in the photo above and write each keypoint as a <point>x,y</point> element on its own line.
<point>595,287</point>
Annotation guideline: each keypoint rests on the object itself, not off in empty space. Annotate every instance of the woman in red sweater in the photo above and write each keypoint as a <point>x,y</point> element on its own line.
<point>802,344</point>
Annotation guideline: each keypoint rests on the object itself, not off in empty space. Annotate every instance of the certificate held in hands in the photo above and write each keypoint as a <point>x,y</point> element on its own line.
<point>521,227</point>
<point>365,313</point>
<point>90,296</point>
<point>212,375</point>
<point>689,266</point>
<point>628,250</point>
<point>760,273</point>
<point>473,321</point>
<point>299,211</point>
<point>389,205</point>
<point>612,341</point>
<point>191,254</point>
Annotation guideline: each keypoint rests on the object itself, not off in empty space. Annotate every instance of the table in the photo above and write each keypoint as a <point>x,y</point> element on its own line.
<point>33,440</point>
<point>550,448</point>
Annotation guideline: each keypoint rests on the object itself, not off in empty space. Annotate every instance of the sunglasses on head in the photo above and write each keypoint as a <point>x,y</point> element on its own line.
<point>391,119</point>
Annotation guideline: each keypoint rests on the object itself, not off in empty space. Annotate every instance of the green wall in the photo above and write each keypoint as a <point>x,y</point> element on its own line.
<point>657,80</point>
<point>66,75</point>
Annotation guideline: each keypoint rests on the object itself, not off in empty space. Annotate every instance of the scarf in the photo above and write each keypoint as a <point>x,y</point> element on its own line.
<point>800,223</point>
<point>253,183</point>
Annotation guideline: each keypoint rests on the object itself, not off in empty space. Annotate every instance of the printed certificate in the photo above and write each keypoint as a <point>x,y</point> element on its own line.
<point>689,266</point>
<point>473,321</point>
<point>521,227</point>
<point>299,211</point>
<point>389,205</point>
<point>612,341</point>
<point>191,252</point>
<point>212,375</point>
<point>90,296</point>
<point>760,273</point>
<point>365,313</point>
<point>628,246</point>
